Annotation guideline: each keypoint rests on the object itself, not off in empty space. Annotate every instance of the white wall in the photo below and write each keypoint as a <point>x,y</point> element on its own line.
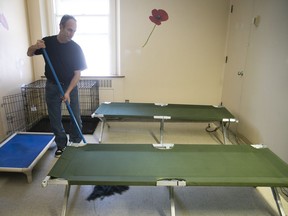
<point>15,66</point>
<point>264,101</point>
<point>183,61</point>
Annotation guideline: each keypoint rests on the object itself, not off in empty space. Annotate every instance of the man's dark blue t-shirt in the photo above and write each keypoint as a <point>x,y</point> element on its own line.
<point>65,58</point>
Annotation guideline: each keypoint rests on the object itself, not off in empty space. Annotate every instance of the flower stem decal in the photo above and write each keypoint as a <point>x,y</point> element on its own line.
<point>157,17</point>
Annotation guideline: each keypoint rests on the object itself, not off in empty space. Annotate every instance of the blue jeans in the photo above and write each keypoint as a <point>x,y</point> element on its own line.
<point>54,102</point>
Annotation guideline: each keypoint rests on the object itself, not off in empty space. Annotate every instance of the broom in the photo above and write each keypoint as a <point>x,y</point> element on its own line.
<point>62,93</point>
<point>102,191</point>
<point>99,191</point>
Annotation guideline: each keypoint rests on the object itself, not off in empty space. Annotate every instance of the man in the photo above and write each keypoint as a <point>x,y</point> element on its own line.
<point>68,61</point>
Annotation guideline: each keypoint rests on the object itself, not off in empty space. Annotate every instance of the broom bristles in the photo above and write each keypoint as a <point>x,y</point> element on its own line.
<point>102,191</point>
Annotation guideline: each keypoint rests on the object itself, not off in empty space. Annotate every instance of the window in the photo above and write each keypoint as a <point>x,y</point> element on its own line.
<point>96,32</point>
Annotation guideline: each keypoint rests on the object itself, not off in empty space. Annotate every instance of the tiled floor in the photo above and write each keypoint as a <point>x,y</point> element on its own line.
<point>17,197</point>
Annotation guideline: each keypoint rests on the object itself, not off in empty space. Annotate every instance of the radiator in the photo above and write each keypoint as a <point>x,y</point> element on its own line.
<point>106,90</point>
<point>105,83</point>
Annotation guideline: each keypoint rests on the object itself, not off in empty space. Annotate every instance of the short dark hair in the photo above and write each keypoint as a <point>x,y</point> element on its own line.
<point>65,18</point>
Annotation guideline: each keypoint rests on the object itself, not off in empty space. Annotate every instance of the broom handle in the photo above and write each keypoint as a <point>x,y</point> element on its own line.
<point>62,93</point>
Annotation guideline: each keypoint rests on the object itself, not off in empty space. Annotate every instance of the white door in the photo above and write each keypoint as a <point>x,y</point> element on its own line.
<point>240,22</point>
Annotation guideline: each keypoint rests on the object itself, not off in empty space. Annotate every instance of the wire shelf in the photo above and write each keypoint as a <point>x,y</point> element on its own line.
<point>26,109</point>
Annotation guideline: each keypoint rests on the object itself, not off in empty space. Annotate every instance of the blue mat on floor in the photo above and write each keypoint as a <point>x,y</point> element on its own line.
<point>21,150</point>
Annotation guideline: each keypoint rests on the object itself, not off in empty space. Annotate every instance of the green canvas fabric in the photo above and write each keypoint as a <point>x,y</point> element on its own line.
<point>144,165</point>
<point>179,112</point>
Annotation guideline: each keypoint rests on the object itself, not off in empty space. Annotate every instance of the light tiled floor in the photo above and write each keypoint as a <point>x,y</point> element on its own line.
<point>18,198</point>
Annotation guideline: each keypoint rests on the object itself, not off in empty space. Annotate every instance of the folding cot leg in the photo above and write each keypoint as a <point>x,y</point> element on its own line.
<point>103,122</point>
<point>162,119</point>
<point>224,132</point>
<point>278,201</point>
<point>29,176</point>
<point>172,201</point>
<point>102,129</point>
<point>66,197</point>
<point>161,130</point>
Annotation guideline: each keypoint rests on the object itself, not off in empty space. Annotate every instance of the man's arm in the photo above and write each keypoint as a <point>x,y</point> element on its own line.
<point>38,45</point>
<point>73,83</point>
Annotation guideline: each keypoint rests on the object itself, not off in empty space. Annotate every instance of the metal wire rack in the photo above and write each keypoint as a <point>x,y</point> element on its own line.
<point>26,109</point>
<point>15,115</point>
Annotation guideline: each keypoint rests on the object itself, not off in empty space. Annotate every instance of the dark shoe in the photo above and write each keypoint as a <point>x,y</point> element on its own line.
<point>59,152</point>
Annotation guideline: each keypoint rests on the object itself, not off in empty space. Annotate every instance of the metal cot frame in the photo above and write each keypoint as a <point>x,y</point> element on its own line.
<point>163,113</point>
<point>264,178</point>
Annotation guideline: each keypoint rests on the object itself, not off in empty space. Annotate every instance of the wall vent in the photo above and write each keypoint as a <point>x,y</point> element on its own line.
<point>105,83</point>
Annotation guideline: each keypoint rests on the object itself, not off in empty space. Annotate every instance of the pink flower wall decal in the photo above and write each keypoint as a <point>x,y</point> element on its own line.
<point>3,21</point>
<point>158,16</point>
